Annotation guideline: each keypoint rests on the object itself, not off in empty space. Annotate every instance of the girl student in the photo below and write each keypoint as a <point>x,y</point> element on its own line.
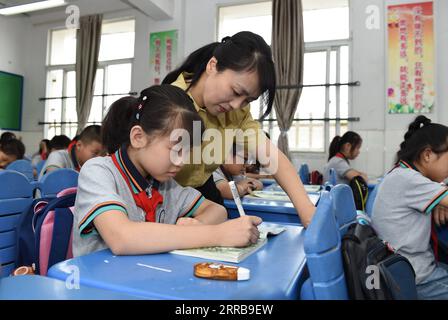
<point>223,78</point>
<point>410,196</point>
<point>129,201</point>
<point>342,150</point>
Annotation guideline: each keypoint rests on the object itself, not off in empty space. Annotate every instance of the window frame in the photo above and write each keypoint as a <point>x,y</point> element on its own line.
<point>66,68</point>
<point>328,46</point>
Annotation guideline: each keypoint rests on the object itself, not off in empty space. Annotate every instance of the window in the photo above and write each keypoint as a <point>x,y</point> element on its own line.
<point>113,76</point>
<point>326,25</point>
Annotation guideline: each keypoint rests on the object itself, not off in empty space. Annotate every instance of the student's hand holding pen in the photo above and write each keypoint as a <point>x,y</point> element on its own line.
<point>239,232</point>
<point>245,187</point>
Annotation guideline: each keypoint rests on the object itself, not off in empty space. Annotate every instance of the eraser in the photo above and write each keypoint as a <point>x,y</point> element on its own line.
<point>219,271</point>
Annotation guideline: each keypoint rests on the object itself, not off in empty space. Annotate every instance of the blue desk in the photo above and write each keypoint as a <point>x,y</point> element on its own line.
<point>269,210</point>
<point>275,273</point>
<point>43,288</point>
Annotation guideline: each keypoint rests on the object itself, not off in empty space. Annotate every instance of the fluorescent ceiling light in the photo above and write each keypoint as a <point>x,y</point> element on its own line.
<point>35,6</point>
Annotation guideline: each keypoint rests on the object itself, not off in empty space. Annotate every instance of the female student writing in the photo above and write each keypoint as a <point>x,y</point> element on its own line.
<point>410,196</point>
<point>222,78</point>
<point>129,202</point>
<point>342,150</point>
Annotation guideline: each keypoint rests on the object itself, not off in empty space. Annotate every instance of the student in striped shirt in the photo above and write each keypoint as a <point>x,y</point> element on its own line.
<point>129,201</point>
<point>411,197</point>
<point>84,147</point>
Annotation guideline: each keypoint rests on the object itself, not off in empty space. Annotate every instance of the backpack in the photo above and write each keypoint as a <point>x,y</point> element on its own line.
<point>316,178</point>
<point>360,191</point>
<point>44,233</point>
<point>364,256</point>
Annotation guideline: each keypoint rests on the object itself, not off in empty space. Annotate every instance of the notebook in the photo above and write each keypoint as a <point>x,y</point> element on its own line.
<point>232,254</point>
<point>270,195</point>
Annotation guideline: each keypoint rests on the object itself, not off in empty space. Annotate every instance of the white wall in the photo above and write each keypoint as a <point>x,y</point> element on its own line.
<point>383,132</point>
<point>16,42</point>
<point>24,36</point>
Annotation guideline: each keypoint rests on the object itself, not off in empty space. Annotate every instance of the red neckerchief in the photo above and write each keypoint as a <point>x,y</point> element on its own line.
<point>72,153</point>
<point>340,155</point>
<point>142,200</point>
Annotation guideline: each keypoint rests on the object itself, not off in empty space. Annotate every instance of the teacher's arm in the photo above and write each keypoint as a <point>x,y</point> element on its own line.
<point>277,164</point>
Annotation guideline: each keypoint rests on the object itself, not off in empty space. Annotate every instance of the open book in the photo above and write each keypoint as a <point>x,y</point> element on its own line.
<point>232,254</point>
<point>270,195</point>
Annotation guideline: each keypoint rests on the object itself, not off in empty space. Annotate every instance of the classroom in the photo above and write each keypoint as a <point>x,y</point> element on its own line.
<point>223,150</point>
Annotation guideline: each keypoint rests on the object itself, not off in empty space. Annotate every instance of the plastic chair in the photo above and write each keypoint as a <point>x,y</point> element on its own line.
<point>343,206</point>
<point>23,166</point>
<point>304,173</point>
<point>322,246</point>
<point>15,196</point>
<point>57,180</point>
<point>371,200</point>
<point>332,177</point>
<point>40,166</point>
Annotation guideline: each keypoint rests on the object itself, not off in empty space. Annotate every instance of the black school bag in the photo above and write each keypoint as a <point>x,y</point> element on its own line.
<point>366,257</point>
<point>360,191</point>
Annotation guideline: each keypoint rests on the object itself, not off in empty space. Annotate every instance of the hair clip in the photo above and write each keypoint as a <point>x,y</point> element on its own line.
<point>225,39</point>
<point>140,107</point>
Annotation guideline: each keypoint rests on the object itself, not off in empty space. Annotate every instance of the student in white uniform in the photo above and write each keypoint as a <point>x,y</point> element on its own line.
<point>129,201</point>
<point>410,197</point>
<point>85,147</point>
<point>342,150</point>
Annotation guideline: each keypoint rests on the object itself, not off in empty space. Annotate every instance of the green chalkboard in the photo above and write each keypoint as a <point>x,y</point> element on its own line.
<point>11,95</point>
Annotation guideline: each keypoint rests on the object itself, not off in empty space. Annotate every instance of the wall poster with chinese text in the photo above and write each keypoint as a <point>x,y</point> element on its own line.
<point>411,87</point>
<point>163,54</point>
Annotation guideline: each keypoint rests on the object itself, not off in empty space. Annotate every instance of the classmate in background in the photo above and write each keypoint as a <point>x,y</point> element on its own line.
<point>223,78</point>
<point>7,136</point>
<point>343,149</point>
<point>235,170</point>
<point>42,154</point>
<point>11,149</point>
<point>60,142</point>
<point>79,151</point>
<point>129,201</point>
<point>410,196</point>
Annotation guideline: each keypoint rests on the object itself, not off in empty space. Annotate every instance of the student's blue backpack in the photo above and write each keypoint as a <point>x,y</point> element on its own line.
<point>44,234</point>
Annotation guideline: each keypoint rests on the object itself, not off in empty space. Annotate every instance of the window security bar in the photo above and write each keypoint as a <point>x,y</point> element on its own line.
<point>298,86</point>
<point>351,119</point>
<point>96,95</point>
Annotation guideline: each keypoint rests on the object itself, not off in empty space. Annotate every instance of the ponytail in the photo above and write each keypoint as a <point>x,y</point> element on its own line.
<point>115,128</point>
<point>159,110</point>
<point>195,65</point>
<point>349,137</point>
<point>422,134</point>
<point>334,147</point>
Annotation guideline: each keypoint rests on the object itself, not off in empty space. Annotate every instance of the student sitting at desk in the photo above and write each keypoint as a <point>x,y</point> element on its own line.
<point>61,142</point>
<point>11,149</point>
<point>410,197</point>
<point>343,149</point>
<point>234,170</point>
<point>86,147</point>
<point>129,201</point>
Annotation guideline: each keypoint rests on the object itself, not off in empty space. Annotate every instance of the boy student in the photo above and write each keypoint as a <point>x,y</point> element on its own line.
<point>87,146</point>
<point>11,149</point>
